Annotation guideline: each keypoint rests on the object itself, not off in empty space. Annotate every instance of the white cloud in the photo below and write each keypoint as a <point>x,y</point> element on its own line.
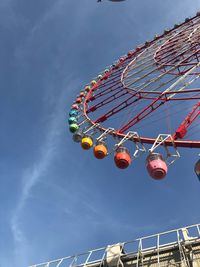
<point>30,178</point>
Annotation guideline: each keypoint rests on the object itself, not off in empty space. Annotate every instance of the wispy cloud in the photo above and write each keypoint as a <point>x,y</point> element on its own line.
<point>46,154</point>
<point>30,178</point>
<point>32,174</point>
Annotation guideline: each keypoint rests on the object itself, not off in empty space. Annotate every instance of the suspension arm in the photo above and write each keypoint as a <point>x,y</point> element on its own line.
<point>182,129</point>
<point>149,109</point>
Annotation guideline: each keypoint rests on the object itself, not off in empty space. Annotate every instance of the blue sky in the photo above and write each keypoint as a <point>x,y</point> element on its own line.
<point>56,199</point>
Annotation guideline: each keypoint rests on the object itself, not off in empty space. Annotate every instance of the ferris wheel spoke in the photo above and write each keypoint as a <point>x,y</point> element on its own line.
<point>183,63</point>
<point>159,59</point>
<point>139,69</point>
<point>124,104</point>
<point>147,83</point>
<point>160,101</point>
<point>175,40</point>
<point>108,100</point>
<point>150,87</point>
<point>144,113</point>
<point>182,129</point>
<point>105,91</point>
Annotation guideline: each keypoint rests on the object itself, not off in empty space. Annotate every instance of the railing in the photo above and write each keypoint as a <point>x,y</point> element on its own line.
<point>136,249</point>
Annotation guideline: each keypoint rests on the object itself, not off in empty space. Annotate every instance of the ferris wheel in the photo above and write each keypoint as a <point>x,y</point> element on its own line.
<point>146,102</point>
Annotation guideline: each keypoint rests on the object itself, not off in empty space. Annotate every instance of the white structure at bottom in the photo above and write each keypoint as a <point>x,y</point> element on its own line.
<point>179,247</point>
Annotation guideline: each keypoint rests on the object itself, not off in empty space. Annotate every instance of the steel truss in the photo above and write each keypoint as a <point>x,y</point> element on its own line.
<point>179,247</point>
<point>158,72</point>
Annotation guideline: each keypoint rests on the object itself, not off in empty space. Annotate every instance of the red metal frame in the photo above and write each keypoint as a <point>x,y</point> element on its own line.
<point>182,129</point>
<point>111,86</point>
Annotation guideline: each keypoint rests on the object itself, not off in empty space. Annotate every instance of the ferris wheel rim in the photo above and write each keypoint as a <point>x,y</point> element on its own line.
<point>161,95</point>
<point>145,140</point>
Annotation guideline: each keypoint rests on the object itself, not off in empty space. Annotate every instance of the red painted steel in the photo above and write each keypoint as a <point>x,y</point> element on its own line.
<point>175,52</point>
<point>182,130</point>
